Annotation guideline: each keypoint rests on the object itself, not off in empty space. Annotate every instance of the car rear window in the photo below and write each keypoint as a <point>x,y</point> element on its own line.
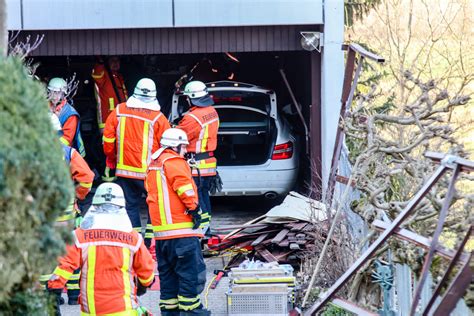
<point>255,100</point>
<point>240,115</point>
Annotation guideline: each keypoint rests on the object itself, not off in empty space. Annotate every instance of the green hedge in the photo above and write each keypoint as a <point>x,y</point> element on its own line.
<point>34,187</point>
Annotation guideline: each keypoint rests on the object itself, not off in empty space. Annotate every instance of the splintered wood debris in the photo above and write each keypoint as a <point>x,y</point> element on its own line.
<point>284,235</point>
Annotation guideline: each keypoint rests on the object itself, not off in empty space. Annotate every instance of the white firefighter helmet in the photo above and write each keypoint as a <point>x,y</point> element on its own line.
<point>55,122</point>
<point>145,88</point>
<point>109,193</point>
<point>144,96</point>
<point>197,92</point>
<point>173,137</point>
<point>57,85</point>
<point>107,210</point>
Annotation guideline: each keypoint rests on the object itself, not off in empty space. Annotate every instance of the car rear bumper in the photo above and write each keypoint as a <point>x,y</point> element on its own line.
<point>246,182</point>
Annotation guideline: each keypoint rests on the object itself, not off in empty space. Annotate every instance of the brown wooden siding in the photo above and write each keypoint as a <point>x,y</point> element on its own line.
<point>169,40</point>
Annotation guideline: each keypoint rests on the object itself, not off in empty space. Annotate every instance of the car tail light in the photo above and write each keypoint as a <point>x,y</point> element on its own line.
<point>283,151</point>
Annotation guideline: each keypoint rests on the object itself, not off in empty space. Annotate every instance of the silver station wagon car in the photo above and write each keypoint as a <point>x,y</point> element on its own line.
<point>256,150</point>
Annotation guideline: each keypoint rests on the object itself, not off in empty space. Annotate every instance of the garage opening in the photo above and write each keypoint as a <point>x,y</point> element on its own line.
<point>248,134</point>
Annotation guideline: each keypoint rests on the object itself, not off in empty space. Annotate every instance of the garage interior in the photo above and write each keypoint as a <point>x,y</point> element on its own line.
<point>257,63</point>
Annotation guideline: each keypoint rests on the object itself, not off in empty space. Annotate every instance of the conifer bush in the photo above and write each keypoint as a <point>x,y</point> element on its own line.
<point>35,187</point>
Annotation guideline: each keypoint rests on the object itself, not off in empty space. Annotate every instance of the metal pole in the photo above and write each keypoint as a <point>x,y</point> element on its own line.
<point>450,268</point>
<point>455,291</point>
<point>434,243</point>
<point>298,109</point>
<point>340,133</point>
<point>380,240</point>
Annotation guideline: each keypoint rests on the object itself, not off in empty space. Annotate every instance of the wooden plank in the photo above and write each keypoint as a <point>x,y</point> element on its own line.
<point>255,220</point>
<point>242,227</point>
<point>280,236</point>
<point>244,244</point>
<point>259,239</point>
<point>345,180</point>
<point>299,226</point>
<point>267,255</point>
<point>282,256</point>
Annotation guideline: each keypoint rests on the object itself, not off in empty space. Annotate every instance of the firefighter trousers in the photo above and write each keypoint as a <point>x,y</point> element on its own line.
<point>135,200</point>
<point>182,274</point>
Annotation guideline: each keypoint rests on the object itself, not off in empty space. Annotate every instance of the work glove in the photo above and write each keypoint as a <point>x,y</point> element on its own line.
<point>205,221</point>
<point>196,214</point>
<point>109,175</point>
<point>141,289</point>
<point>143,311</point>
<point>78,221</point>
<point>215,184</point>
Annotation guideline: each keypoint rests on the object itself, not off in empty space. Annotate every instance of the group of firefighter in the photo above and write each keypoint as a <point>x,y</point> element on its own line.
<point>149,165</point>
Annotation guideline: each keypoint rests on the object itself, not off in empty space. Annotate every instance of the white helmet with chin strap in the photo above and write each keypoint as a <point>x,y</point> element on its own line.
<point>108,210</point>
<point>144,96</point>
<point>57,85</point>
<point>145,88</point>
<point>197,92</point>
<point>109,193</point>
<point>171,138</point>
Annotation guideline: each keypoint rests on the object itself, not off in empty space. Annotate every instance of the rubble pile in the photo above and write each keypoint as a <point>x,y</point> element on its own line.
<point>282,235</point>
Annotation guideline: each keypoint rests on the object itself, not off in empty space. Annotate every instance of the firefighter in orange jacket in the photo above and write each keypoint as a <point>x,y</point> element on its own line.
<point>132,133</point>
<point>68,116</point>
<point>176,218</point>
<point>109,88</point>
<point>83,178</point>
<point>201,124</point>
<point>112,257</point>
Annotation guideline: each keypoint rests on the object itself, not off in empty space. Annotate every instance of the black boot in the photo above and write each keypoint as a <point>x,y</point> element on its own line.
<point>195,312</point>
<point>170,313</point>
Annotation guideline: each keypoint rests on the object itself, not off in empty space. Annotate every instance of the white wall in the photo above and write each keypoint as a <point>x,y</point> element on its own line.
<point>13,14</point>
<point>332,77</point>
<point>247,12</point>
<point>120,14</point>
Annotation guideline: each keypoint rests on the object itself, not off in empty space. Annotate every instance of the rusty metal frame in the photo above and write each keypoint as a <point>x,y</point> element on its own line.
<point>448,162</point>
<point>434,242</point>
<point>456,259</point>
<point>455,291</point>
<point>419,240</point>
<point>348,90</point>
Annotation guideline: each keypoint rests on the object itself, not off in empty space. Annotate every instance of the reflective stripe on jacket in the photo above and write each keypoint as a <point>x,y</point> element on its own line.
<point>131,135</point>
<point>109,261</point>
<point>105,94</point>
<point>201,125</point>
<point>171,191</point>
